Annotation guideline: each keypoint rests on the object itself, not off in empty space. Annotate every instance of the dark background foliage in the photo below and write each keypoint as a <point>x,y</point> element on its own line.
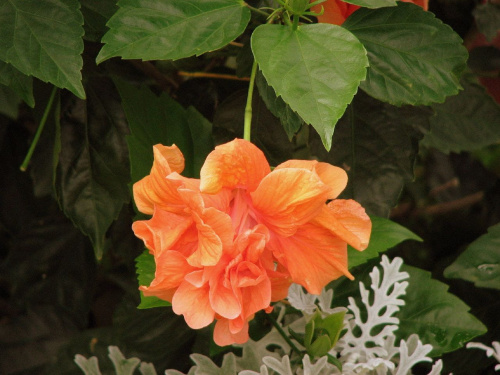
<point>57,300</point>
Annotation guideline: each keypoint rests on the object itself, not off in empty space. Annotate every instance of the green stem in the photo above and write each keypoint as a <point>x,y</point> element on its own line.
<point>283,334</point>
<point>38,133</point>
<point>256,10</point>
<point>248,109</point>
<point>295,22</point>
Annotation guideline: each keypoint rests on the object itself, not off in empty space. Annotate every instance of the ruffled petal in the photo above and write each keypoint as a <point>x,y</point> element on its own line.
<point>194,304</point>
<point>222,298</point>
<point>237,164</point>
<point>289,197</point>
<point>215,234</point>
<point>223,335</point>
<point>313,256</point>
<point>171,268</point>
<point>334,177</point>
<point>162,231</point>
<point>154,188</point>
<point>348,220</point>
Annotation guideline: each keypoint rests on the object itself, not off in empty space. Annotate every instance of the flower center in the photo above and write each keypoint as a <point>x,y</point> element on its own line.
<point>241,212</point>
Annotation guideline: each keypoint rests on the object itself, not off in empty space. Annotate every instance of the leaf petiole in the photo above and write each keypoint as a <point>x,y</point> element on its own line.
<point>38,133</point>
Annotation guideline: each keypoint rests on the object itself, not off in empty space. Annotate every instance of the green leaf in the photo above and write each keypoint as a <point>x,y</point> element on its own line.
<point>487,17</point>
<point>290,120</point>
<point>88,366</point>
<point>170,30</point>
<point>9,102</point>
<point>465,122</point>
<point>160,119</point>
<point>385,235</point>
<point>92,173</point>
<point>96,14</point>
<point>316,69</point>
<point>18,82</point>
<point>372,3</point>
<point>122,365</point>
<point>43,38</point>
<point>414,57</point>
<point>437,316</point>
<point>377,144</point>
<point>480,262</point>
<point>146,268</point>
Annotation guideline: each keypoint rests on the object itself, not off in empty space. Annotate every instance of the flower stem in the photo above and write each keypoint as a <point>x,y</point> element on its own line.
<point>38,133</point>
<point>248,109</point>
<point>283,334</point>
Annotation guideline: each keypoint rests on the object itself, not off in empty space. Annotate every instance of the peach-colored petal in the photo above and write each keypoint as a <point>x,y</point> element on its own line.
<point>154,188</point>
<point>348,220</point>
<point>223,299</point>
<point>223,335</point>
<point>334,177</point>
<point>215,232</point>
<point>289,197</point>
<point>194,304</point>
<point>312,256</point>
<point>162,231</point>
<point>171,268</point>
<point>237,164</point>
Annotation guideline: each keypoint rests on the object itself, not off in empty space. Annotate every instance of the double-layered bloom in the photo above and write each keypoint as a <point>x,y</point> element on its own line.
<point>337,11</point>
<point>230,243</point>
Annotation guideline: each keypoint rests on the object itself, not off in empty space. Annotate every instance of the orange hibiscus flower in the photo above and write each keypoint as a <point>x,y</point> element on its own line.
<point>230,243</point>
<point>337,11</point>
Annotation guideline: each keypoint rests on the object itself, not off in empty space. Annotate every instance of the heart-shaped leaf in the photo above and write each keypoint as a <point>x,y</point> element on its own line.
<point>93,166</point>
<point>316,69</point>
<point>480,262</point>
<point>414,57</point>
<point>43,38</point>
<point>170,30</point>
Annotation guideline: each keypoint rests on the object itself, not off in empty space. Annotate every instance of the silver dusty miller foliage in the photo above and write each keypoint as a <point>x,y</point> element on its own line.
<point>368,345</point>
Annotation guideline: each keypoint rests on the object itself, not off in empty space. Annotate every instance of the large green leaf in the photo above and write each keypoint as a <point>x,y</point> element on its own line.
<point>43,38</point>
<point>414,57</point>
<point>92,174</point>
<point>170,30</point>
<point>146,268</point>
<point>377,144</point>
<point>316,69</point>
<point>160,119</point>
<point>487,17</point>
<point>18,82</point>
<point>437,316</point>
<point>480,262</point>
<point>385,235</point>
<point>465,122</point>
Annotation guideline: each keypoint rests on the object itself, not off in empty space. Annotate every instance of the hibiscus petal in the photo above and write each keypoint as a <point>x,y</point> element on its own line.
<point>215,234</point>
<point>162,231</point>
<point>154,188</point>
<point>171,268</point>
<point>223,300</point>
<point>223,335</point>
<point>237,164</point>
<point>313,256</point>
<point>334,177</point>
<point>348,220</point>
<point>194,304</point>
<point>289,197</point>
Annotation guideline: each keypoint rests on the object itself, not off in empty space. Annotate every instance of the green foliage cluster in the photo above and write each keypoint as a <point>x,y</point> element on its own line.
<point>106,80</point>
